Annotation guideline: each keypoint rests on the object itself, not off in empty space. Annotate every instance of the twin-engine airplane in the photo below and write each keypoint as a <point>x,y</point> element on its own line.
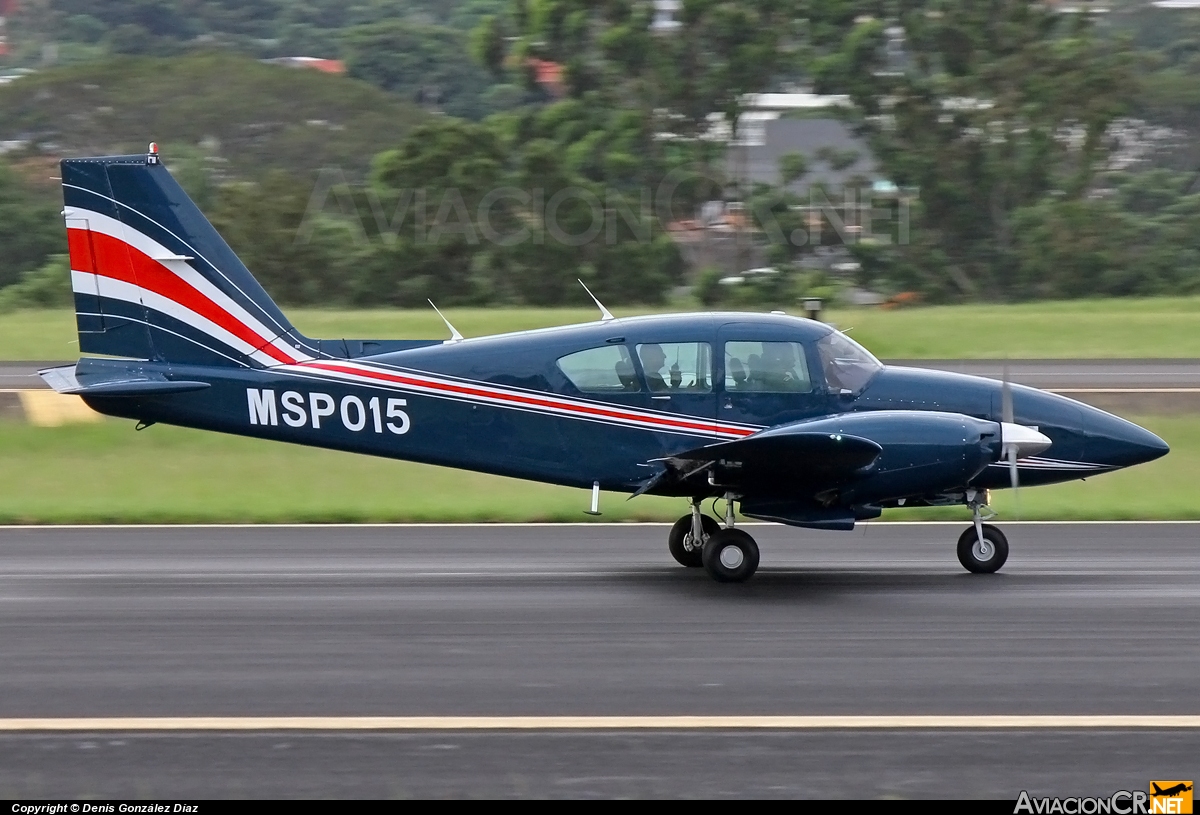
<point>790,419</point>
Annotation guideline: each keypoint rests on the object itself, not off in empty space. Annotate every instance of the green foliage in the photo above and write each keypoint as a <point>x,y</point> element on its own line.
<point>30,229</point>
<point>297,260</point>
<point>838,159</point>
<point>720,51</point>
<point>430,57</point>
<point>419,62</point>
<point>515,209</point>
<point>487,44</point>
<point>46,287</point>
<point>253,116</point>
<point>975,119</point>
<point>792,167</point>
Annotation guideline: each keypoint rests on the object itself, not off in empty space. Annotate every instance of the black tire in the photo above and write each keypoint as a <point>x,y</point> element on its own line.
<point>731,556</point>
<point>979,562</point>
<point>680,540</point>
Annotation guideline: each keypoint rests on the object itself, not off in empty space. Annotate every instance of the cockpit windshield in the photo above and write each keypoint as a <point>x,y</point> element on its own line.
<point>848,366</point>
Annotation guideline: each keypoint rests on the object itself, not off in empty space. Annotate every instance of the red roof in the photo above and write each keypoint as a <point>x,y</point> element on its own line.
<point>548,74</point>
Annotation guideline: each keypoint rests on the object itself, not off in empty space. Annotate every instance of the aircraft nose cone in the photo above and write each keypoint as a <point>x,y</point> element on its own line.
<point>1118,443</point>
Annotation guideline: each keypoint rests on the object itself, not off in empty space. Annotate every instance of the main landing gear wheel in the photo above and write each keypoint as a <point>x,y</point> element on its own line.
<point>982,556</point>
<point>730,556</point>
<point>684,549</point>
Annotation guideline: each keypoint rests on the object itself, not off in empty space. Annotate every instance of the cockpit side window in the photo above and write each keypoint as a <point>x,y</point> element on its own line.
<point>847,365</point>
<point>607,369</point>
<point>766,367</point>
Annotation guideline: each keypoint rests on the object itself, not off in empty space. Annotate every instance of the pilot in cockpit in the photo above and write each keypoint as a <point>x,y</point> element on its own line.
<point>653,359</point>
<point>778,371</point>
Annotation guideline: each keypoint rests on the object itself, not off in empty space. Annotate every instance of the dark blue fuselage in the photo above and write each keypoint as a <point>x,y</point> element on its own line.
<point>503,405</point>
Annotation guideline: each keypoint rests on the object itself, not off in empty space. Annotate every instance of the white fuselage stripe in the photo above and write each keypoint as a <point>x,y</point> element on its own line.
<point>98,222</point>
<point>216,269</point>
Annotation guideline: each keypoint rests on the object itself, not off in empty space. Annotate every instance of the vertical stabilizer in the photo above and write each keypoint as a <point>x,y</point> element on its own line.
<point>153,279</point>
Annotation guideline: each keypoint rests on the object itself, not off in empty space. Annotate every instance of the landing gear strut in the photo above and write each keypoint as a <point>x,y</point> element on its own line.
<point>688,536</point>
<point>982,548</point>
<point>729,555</point>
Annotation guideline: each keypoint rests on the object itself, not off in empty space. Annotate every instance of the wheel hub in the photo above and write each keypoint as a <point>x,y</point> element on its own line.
<point>983,550</point>
<point>731,557</point>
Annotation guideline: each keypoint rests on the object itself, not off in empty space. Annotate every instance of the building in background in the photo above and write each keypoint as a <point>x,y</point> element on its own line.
<point>325,66</point>
<point>7,9</point>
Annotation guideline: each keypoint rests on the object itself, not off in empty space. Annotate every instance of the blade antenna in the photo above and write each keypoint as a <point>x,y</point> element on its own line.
<point>454,335</point>
<point>605,314</point>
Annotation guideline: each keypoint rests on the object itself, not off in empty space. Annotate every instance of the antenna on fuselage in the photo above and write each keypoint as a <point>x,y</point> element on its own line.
<point>454,335</point>
<point>605,314</point>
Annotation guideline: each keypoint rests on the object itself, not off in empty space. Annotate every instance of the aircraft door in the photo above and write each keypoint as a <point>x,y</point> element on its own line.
<point>765,378</point>
<point>679,377</point>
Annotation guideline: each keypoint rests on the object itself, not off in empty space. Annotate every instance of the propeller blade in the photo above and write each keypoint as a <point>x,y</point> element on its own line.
<point>1013,477</point>
<point>1006,415</point>
<point>1006,403</point>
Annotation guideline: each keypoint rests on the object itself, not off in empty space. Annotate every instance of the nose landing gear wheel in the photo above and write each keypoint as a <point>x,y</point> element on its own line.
<point>730,556</point>
<point>685,550</point>
<point>986,556</point>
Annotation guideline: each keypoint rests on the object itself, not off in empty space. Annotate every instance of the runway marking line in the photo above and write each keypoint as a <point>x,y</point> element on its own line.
<point>429,723</point>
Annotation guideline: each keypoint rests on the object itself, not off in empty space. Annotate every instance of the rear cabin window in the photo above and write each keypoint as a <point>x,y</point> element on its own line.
<point>766,367</point>
<point>608,369</point>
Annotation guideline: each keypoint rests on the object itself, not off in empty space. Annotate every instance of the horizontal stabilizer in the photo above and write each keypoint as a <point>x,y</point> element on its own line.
<point>64,380</point>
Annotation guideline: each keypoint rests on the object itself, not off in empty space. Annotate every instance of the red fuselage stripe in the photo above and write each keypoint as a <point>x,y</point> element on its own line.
<point>531,401</point>
<point>118,260</point>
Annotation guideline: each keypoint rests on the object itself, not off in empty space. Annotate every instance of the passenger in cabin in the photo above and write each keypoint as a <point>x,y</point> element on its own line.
<point>737,372</point>
<point>627,376</point>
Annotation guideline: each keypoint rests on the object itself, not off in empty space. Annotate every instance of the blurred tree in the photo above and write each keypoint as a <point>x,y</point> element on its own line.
<point>515,209</point>
<point>30,229</point>
<point>422,63</point>
<point>987,107</point>
<point>48,286</point>
<point>300,257</point>
<point>792,167</point>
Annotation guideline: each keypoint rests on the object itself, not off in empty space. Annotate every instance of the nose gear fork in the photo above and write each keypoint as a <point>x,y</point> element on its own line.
<point>978,502</point>
<point>982,548</point>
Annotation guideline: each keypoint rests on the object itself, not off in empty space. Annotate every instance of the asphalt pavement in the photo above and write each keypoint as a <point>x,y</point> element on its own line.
<point>593,620</point>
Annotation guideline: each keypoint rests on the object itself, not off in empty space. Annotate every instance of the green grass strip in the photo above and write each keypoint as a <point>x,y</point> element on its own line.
<point>107,473</point>
<point>1166,327</point>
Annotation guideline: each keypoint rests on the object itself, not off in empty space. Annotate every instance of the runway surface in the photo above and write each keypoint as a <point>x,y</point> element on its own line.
<point>593,620</point>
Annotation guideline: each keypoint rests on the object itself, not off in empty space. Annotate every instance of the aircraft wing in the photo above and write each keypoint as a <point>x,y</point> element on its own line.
<point>791,453</point>
<point>857,458</point>
<point>788,449</point>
